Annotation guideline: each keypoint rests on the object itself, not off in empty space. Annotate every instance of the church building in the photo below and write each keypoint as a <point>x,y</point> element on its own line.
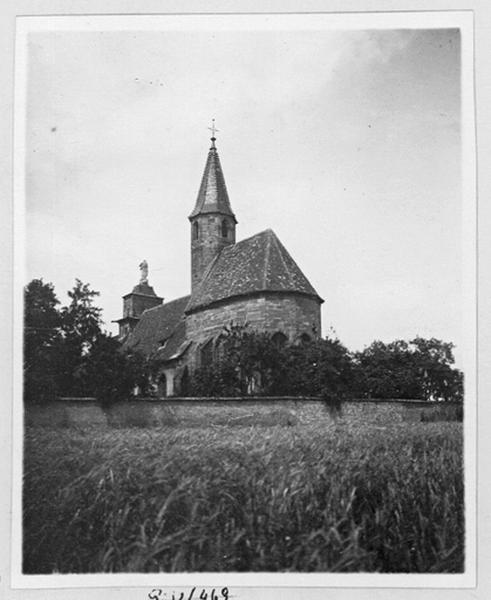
<point>254,281</point>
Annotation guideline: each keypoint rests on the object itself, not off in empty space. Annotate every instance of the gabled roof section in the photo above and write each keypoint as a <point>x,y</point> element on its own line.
<point>212,195</point>
<point>258,264</point>
<point>157,327</point>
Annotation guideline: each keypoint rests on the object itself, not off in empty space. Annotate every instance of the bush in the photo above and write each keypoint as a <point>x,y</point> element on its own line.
<point>251,363</point>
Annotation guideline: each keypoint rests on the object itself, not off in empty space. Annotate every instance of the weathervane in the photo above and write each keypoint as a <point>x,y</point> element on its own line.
<point>213,130</point>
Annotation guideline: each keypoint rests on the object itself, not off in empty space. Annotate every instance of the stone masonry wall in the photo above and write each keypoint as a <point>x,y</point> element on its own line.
<point>208,412</point>
<point>135,304</point>
<point>291,314</point>
<point>209,242</point>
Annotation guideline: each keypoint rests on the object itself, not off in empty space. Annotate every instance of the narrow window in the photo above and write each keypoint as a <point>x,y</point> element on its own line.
<point>184,387</point>
<point>162,386</point>
<point>224,228</point>
<point>195,230</point>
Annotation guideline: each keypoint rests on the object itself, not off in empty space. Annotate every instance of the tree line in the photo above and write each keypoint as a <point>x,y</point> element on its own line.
<point>67,353</point>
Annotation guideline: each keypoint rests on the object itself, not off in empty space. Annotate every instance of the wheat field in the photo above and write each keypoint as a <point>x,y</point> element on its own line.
<point>341,498</point>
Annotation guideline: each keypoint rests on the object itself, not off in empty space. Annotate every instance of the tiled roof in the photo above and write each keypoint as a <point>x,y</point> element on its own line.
<point>259,263</point>
<point>159,324</point>
<point>176,344</point>
<point>212,195</point>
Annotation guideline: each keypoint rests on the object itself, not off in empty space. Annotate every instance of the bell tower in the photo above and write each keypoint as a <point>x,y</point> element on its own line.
<point>136,302</point>
<point>212,220</point>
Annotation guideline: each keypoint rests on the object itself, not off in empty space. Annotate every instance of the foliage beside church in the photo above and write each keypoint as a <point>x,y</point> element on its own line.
<point>68,354</point>
<point>247,362</point>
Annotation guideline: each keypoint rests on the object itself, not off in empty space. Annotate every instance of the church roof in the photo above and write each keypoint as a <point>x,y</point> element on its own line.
<point>176,344</point>
<point>212,195</point>
<point>143,289</point>
<point>162,325</point>
<point>257,264</point>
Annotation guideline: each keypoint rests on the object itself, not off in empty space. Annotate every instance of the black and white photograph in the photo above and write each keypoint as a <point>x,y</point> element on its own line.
<point>245,290</point>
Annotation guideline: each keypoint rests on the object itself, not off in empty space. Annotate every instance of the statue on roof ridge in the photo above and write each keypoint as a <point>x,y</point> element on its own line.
<point>144,272</point>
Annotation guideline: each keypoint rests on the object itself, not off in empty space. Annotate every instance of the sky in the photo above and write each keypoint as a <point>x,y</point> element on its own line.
<point>345,143</point>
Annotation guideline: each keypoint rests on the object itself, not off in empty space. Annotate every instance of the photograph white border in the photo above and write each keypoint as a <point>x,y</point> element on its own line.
<point>403,20</point>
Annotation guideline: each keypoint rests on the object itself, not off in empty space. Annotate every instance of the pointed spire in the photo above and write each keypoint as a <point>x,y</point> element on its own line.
<point>212,195</point>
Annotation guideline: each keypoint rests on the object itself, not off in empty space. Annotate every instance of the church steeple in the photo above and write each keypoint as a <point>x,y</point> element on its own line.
<point>213,195</point>
<point>212,220</point>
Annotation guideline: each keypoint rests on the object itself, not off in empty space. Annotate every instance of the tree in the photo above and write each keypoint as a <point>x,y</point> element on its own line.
<point>387,371</point>
<point>66,353</point>
<point>80,328</point>
<point>434,362</point>
<point>42,323</point>
<point>81,320</point>
<point>322,367</point>
<point>420,369</point>
<point>111,373</point>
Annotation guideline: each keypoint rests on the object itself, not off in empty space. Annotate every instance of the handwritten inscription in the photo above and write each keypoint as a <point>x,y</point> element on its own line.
<point>193,594</point>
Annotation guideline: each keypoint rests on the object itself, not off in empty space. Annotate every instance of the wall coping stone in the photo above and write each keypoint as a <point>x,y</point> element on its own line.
<point>261,399</point>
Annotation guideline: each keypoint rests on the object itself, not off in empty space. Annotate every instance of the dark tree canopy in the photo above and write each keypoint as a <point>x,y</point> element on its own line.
<point>81,320</point>
<point>42,336</point>
<point>112,374</point>
<point>66,353</point>
<point>421,368</point>
<point>41,316</point>
<point>80,327</point>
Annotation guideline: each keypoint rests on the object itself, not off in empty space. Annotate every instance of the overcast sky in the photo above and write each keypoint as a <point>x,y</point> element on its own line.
<point>345,143</point>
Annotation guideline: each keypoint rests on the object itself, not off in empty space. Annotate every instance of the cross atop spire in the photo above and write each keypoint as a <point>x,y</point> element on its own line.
<point>213,130</point>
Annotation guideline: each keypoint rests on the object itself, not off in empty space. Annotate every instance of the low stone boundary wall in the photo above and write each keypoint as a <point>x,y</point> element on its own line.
<point>192,412</point>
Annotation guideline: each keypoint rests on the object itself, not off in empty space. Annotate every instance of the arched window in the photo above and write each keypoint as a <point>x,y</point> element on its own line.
<point>220,348</point>
<point>195,230</point>
<point>279,338</point>
<point>304,339</point>
<point>206,354</point>
<point>224,228</point>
